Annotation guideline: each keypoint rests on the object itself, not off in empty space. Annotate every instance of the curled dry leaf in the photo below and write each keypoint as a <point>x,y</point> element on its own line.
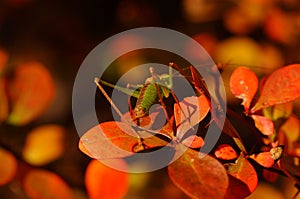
<point>243,85</point>
<point>199,177</point>
<point>8,166</point>
<point>244,173</point>
<point>263,124</point>
<point>281,86</point>
<point>44,184</point>
<point>104,182</point>
<point>225,152</point>
<point>44,144</point>
<point>30,91</point>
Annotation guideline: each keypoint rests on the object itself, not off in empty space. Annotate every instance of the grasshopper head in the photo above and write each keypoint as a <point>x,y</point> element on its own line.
<point>139,112</point>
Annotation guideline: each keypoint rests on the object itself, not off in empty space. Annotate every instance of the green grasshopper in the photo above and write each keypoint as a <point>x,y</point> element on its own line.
<point>153,91</point>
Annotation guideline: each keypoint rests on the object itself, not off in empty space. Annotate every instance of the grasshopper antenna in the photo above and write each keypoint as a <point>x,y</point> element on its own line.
<point>96,80</point>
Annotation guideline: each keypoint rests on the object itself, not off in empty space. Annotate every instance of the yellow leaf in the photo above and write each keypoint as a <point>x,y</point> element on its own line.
<point>44,144</point>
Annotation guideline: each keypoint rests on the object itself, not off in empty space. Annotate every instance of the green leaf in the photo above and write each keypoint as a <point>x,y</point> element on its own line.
<point>199,177</point>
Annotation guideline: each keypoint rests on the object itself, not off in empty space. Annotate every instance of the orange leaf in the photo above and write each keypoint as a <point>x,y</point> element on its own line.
<point>203,177</point>
<point>189,112</point>
<point>8,166</point>
<point>116,140</point>
<point>3,101</point>
<point>104,182</point>
<point>43,184</point>
<point>31,91</point>
<point>243,85</point>
<point>281,86</point>
<point>264,159</point>
<point>243,171</point>
<point>109,140</point>
<point>44,144</point>
<point>264,124</point>
<point>267,159</point>
<point>193,141</point>
<point>225,152</point>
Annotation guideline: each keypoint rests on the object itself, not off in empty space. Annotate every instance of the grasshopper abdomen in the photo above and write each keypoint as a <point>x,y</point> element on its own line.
<point>148,96</point>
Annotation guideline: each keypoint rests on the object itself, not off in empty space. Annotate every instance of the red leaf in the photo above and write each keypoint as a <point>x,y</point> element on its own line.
<point>43,184</point>
<point>203,177</point>
<point>237,189</point>
<point>270,176</point>
<point>281,86</point>
<point>189,112</point>
<point>243,85</point>
<point>225,152</point>
<point>243,171</point>
<point>264,124</point>
<point>104,182</point>
<point>30,91</point>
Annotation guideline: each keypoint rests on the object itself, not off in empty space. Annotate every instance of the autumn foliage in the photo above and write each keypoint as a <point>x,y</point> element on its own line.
<point>231,170</point>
